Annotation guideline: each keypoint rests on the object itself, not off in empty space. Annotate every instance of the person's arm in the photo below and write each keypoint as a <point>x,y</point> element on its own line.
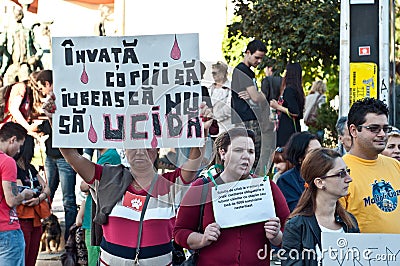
<point>226,109</point>
<point>293,109</point>
<point>81,213</point>
<point>42,196</point>
<point>198,240</point>
<point>255,95</point>
<point>45,189</point>
<point>192,165</point>
<point>11,195</point>
<point>84,167</point>
<point>187,221</point>
<point>272,231</point>
<point>252,94</point>
<point>274,226</point>
<point>17,94</point>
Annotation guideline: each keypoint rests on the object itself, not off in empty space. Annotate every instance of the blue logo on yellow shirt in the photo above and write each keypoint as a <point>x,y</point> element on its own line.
<point>383,195</point>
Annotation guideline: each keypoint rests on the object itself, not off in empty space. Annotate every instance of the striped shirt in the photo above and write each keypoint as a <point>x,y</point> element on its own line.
<point>118,246</point>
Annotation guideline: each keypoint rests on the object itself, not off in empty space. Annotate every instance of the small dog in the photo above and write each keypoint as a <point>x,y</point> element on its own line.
<point>51,233</point>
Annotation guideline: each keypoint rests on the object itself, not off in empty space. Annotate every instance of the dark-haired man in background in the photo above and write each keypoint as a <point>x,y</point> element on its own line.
<point>249,105</point>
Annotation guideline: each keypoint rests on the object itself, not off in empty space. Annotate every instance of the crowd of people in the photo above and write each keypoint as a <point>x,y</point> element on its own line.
<point>350,189</point>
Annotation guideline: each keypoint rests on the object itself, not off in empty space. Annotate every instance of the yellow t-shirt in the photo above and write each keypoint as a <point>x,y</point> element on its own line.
<point>374,193</point>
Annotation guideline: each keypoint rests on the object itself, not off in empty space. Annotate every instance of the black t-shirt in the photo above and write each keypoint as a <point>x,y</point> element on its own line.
<point>24,176</point>
<point>242,78</point>
<point>271,87</point>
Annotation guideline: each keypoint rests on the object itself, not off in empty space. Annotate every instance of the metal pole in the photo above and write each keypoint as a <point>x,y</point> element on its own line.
<point>384,51</point>
<point>344,77</point>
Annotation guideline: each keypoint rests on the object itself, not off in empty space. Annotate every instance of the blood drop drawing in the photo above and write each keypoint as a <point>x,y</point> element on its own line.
<point>92,135</point>
<point>154,142</point>
<point>84,76</point>
<point>176,51</point>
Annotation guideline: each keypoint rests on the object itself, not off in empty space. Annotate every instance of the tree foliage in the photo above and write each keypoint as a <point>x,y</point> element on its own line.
<point>326,120</point>
<point>304,31</point>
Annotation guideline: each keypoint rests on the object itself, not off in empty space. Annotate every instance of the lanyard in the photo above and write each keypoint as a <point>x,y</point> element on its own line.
<point>215,169</point>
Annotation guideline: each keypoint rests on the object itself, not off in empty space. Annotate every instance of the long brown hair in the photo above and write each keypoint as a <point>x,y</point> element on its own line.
<point>279,156</point>
<point>317,163</point>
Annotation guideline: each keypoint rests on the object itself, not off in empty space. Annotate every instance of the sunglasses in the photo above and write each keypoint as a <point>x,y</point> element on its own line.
<point>279,149</point>
<point>343,173</point>
<point>376,128</point>
<point>214,73</point>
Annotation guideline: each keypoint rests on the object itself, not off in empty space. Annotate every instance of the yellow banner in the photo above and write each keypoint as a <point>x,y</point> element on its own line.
<point>363,81</point>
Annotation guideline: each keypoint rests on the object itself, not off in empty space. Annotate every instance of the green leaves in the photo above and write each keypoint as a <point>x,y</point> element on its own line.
<point>306,31</point>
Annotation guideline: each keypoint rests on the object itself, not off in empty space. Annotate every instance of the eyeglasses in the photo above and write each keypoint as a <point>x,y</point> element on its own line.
<point>279,149</point>
<point>343,173</point>
<point>376,128</point>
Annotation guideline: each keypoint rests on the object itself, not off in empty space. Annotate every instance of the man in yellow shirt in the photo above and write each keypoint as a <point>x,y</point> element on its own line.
<point>374,193</point>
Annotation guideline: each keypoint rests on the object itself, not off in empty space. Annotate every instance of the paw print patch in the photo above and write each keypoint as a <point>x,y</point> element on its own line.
<point>134,202</point>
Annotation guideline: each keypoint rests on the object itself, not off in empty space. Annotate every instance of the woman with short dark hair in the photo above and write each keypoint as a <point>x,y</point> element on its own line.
<point>291,183</point>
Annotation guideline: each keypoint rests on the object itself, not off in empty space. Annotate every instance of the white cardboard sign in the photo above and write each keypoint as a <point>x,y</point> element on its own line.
<point>360,249</point>
<point>244,202</point>
<point>127,92</point>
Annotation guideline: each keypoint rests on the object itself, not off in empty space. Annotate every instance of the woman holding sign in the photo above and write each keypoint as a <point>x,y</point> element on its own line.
<point>228,234</point>
<point>136,205</point>
<point>327,180</point>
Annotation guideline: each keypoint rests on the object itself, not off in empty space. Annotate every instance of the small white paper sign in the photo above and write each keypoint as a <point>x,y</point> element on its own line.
<point>244,202</point>
<point>360,249</point>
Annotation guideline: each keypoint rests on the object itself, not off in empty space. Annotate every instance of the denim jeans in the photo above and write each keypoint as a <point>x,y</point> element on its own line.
<point>59,171</point>
<point>12,248</point>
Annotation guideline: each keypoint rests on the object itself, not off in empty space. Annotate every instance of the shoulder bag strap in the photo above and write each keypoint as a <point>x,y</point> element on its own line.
<point>316,101</point>
<point>204,192</point>
<point>146,202</point>
<point>315,105</point>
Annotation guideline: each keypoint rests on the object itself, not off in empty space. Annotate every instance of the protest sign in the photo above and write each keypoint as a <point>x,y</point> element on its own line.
<point>127,92</point>
<point>359,249</point>
<point>244,202</point>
